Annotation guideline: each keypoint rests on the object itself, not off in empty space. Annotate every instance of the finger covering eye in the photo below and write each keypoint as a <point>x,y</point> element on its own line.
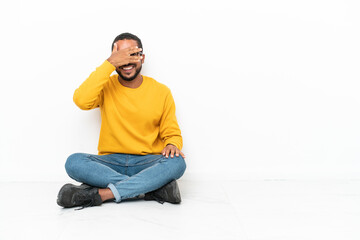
<point>136,54</point>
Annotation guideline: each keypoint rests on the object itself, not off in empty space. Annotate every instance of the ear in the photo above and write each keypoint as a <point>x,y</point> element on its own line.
<point>142,60</point>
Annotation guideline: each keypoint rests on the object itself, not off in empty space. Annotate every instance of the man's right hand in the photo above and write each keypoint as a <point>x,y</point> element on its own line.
<point>123,57</point>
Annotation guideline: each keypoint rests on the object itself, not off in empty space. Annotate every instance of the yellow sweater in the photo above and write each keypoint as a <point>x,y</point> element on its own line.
<point>133,121</point>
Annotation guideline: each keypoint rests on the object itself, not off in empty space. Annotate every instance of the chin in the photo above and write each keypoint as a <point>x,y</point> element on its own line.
<point>130,78</point>
<point>126,78</point>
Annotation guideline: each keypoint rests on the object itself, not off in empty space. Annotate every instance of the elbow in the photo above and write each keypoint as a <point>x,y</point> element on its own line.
<point>81,102</point>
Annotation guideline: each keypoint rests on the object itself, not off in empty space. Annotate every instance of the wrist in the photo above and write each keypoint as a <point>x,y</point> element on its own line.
<point>111,61</point>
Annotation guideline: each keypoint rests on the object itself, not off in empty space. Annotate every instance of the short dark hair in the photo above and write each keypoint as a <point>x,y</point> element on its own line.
<point>127,36</point>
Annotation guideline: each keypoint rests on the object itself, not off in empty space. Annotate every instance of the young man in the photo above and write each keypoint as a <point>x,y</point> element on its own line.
<point>140,140</point>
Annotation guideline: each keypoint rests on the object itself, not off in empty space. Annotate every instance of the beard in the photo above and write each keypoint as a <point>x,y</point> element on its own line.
<point>137,71</point>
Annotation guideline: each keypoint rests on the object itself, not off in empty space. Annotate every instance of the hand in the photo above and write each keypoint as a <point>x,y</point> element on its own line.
<point>171,149</point>
<point>123,57</point>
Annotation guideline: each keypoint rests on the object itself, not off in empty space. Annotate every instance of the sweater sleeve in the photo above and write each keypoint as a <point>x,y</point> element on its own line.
<point>169,128</point>
<point>90,95</point>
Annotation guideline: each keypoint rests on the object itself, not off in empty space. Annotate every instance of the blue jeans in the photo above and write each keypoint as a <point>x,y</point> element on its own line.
<point>126,175</point>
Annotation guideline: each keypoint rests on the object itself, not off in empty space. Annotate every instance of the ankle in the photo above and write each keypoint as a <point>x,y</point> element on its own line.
<point>106,194</point>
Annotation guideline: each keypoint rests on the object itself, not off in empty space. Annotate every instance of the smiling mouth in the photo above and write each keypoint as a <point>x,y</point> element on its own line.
<point>128,67</point>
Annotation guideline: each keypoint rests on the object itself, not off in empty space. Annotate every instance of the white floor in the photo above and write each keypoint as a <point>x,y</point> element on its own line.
<point>221,210</point>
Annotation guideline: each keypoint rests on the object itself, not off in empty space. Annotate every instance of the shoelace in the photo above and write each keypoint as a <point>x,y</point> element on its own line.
<point>87,202</point>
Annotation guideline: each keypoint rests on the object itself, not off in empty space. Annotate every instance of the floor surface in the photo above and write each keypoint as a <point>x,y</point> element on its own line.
<point>221,210</point>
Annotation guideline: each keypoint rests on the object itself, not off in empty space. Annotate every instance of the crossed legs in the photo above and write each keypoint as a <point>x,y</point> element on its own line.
<point>123,176</point>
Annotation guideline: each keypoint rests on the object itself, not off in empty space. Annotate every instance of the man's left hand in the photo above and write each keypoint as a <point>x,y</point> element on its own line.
<point>171,150</point>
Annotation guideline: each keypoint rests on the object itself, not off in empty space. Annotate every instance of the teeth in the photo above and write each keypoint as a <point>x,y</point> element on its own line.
<point>128,68</point>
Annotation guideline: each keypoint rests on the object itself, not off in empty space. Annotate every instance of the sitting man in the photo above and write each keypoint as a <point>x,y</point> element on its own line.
<point>140,140</point>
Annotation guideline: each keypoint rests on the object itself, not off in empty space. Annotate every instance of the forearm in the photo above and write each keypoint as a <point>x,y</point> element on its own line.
<point>88,95</point>
<point>169,127</point>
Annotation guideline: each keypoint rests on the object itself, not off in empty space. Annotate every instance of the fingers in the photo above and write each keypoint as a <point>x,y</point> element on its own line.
<point>165,152</point>
<point>114,48</point>
<point>134,50</point>
<point>135,59</point>
<point>172,150</point>
<point>168,150</point>
<point>130,59</point>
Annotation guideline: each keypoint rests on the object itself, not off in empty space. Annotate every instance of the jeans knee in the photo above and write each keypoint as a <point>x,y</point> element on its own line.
<point>180,166</point>
<point>72,163</point>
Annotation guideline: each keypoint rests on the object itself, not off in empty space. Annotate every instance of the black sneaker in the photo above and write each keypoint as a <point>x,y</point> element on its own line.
<point>75,196</point>
<point>167,193</point>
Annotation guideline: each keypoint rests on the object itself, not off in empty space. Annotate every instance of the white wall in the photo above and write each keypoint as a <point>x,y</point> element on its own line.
<point>264,89</point>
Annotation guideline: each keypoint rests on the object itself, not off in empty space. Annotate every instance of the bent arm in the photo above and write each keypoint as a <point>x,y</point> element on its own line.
<point>90,95</point>
<point>169,128</point>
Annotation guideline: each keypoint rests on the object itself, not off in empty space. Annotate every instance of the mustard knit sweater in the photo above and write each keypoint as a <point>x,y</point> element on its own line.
<point>133,121</point>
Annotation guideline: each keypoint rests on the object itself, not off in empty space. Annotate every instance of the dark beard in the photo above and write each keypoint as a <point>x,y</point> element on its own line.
<point>129,78</point>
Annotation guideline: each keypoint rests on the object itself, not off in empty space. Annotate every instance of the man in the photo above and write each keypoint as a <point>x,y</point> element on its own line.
<point>140,140</point>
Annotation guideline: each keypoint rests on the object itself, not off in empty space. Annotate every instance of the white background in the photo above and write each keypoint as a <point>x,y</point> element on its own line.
<point>264,89</point>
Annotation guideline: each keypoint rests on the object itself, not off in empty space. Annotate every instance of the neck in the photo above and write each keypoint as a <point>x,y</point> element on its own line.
<point>131,84</point>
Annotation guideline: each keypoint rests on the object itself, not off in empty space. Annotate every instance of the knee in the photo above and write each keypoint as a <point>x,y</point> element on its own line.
<point>179,166</point>
<point>72,163</point>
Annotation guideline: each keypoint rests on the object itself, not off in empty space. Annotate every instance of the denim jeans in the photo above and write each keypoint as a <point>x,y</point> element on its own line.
<point>126,175</point>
